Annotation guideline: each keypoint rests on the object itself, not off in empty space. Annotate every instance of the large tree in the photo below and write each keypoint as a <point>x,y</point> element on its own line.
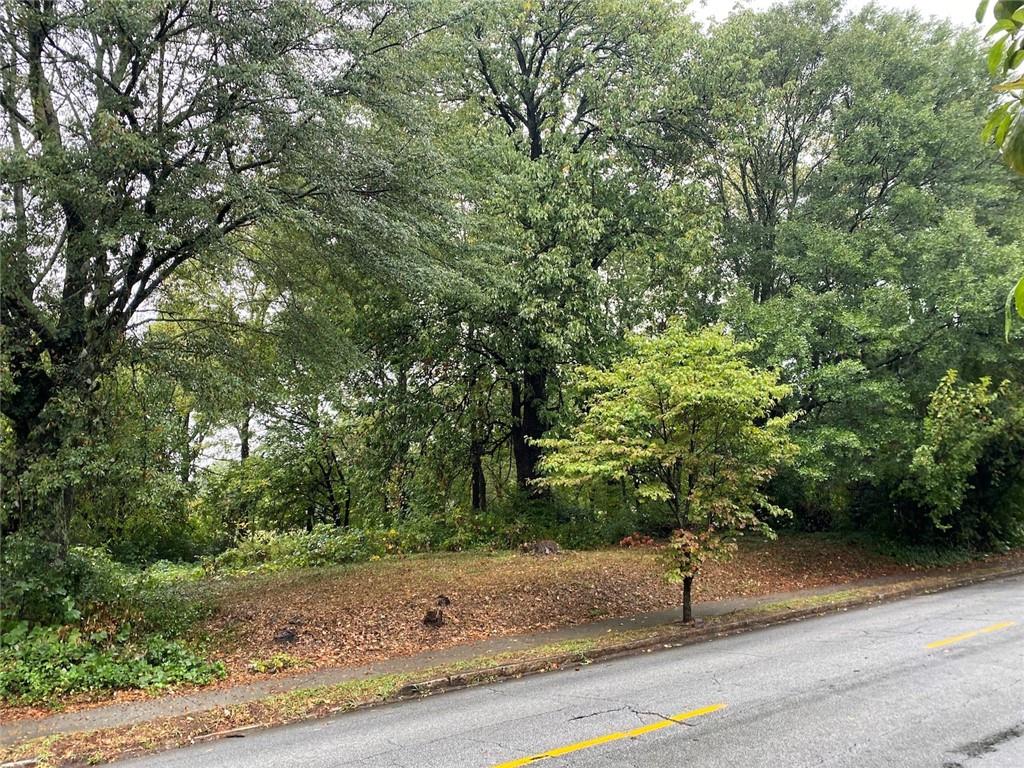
<point>864,244</point>
<point>554,98</point>
<point>139,136</point>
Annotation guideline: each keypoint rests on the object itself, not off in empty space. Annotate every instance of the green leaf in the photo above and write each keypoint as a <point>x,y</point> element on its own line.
<point>1013,144</point>
<point>995,55</point>
<point>980,13</point>
<point>1014,300</point>
<point>1018,15</point>
<point>1008,314</point>
<point>993,122</point>
<point>1004,126</point>
<point>1003,25</point>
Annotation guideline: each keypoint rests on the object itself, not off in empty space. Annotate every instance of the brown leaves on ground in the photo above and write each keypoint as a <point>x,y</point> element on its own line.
<point>359,614</point>
<point>354,615</point>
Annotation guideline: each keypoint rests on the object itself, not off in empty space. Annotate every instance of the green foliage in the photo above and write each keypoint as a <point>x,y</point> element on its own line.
<point>1005,126</point>
<point>1014,302</point>
<point>959,424</point>
<point>323,546</point>
<point>85,623</point>
<point>1005,61</point>
<point>682,420</point>
<point>964,472</point>
<point>124,169</point>
<point>864,272</point>
<point>373,283</point>
<point>41,664</point>
<point>241,497</point>
<point>87,586</point>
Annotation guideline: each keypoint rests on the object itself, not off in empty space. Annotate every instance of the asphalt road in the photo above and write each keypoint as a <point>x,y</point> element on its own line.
<point>934,681</point>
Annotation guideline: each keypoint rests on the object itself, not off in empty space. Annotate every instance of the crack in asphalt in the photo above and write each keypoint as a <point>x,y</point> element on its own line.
<point>640,713</point>
<point>602,712</point>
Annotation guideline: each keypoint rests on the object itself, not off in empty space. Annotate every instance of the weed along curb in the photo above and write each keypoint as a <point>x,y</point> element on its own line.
<point>105,744</point>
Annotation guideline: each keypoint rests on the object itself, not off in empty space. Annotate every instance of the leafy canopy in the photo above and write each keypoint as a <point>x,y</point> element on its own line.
<point>688,422</point>
<point>959,420</point>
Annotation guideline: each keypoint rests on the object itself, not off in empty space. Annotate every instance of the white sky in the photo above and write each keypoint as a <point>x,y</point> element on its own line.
<point>960,11</point>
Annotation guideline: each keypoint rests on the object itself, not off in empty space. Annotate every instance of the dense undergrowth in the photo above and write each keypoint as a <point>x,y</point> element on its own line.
<point>91,624</point>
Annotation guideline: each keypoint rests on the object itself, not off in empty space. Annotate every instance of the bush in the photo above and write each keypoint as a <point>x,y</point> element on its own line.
<point>35,585</point>
<point>88,586</point>
<point>324,545</point>
<point>966,477</point>
<point>40,664</point>
<point>88,623</point>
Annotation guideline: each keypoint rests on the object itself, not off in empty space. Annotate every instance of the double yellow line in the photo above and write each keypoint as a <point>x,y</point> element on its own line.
<point>674,720</point>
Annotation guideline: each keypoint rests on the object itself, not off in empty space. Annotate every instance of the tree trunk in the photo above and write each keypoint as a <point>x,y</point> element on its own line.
<point>334,504</point>
<point>244,437</point>
<point>348,505</point>
<point>479,480</point>
<point>185,460</point>
<point>528,403</point>
<point>687,599</point>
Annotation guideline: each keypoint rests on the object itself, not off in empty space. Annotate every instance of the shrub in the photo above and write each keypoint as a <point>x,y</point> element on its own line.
<point>43,663</point>
<point>89,623</point>
<point>35,585</point>
<point>324,545</point>
<point>966,477</point>
<point>88,586</point>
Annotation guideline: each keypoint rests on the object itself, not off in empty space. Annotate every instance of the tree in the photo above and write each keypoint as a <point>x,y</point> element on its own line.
<point>138,136</point>
<point>687,422</point>
<point>966,475</point>
<point>864,247</point>
<point>555,97</point>
<point>1005,126</point>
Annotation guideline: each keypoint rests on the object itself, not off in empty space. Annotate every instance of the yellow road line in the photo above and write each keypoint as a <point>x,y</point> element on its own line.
<point>612,737</point>
<point>969,635</point>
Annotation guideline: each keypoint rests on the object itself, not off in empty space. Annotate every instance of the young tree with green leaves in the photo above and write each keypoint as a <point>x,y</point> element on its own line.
<point>687,422</point>
<point>967,472</point>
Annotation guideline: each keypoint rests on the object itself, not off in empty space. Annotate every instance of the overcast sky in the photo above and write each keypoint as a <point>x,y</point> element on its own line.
<point>960,11</point>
